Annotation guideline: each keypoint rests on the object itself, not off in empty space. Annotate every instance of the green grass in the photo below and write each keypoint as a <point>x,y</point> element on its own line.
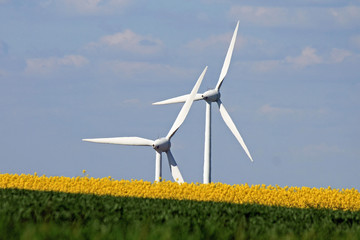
<point>48,215</point>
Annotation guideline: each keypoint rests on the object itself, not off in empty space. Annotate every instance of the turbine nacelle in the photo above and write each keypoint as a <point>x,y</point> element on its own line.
<point>162,145</point>
<point>211,95</point>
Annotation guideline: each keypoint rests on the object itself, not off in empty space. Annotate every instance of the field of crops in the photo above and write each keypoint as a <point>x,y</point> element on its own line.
<point>87,208</point>
<point>304,197</point>
<point>26,214</point>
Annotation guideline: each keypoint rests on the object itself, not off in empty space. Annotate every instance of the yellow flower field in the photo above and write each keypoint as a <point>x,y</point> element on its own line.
<point>297,197</point>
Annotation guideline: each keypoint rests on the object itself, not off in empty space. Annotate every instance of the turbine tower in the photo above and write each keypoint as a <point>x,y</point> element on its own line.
<point>211,96</point>
<point>162,144</point>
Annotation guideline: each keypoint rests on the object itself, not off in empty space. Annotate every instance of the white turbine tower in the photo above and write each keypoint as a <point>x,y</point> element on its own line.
<point>210,96</point>
<point>162,144</point>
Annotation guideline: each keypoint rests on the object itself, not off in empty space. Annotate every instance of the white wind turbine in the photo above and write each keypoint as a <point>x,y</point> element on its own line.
<point>210,96</point>
<point>162,144</point>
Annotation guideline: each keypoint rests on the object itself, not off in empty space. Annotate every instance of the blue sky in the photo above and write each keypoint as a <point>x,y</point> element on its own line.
<point>73,69</point>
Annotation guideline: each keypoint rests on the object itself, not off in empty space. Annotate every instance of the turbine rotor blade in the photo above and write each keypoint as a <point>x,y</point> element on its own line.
<point>137,141</point>
<point>226,65</point>
<point>229,122</point>
<point>174,169</point>
<point>179,99</point>
<point>186,107</point>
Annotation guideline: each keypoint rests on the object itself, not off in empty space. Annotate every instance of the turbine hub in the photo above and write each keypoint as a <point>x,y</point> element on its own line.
<point>211,95</point>
<point>161,145</point>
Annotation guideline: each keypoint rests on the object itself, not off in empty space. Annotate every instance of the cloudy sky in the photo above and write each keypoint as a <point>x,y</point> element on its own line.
<point>73,69</point>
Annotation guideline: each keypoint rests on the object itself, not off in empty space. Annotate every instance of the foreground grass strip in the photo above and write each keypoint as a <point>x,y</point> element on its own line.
<point>295,197</point>
<point>39,215</point>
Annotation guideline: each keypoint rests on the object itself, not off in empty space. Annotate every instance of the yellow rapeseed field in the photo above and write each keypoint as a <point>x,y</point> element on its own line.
<point>296,197</point>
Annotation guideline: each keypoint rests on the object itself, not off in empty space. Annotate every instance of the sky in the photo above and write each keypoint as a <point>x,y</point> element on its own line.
<point>74,69</point>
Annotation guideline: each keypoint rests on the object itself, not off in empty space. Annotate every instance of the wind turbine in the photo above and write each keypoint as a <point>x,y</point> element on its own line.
<point>162,144</point>
<point>211,96</point>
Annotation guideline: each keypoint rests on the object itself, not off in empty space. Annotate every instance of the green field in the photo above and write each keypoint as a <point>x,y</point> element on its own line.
<point>48,215</point>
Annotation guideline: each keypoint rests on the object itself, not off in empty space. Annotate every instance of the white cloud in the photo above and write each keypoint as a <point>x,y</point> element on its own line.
<point>201,44</point>
<point>347,16</point>
<point>267,16</point>
<point>89,7</point>
<point>307,57</point>
<point>338,55</point>
<point>48,65</point>
<point>297,16</point>
<point>128,41</point>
